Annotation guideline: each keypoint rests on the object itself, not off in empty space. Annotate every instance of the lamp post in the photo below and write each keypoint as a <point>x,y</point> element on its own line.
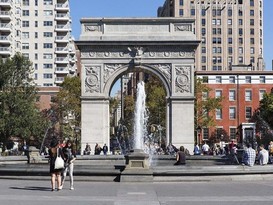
<point>198,129</point>
<point>77,130</point>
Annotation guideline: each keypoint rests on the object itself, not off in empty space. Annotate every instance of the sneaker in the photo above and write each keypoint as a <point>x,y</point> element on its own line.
<point>71,188</point>
<point>61,187</point>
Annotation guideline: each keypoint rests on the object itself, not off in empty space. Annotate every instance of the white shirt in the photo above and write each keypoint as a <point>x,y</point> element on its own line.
<point>205,148</point>
<point>263,157</point>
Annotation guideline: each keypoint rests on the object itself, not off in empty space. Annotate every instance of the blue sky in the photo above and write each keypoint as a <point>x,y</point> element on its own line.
<point>148,8</point>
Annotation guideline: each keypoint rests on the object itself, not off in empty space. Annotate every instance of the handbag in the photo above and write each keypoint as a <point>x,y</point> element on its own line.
<point>59,162</point>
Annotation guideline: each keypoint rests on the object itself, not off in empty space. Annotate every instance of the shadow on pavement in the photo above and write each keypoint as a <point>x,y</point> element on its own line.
<point>33,188</point>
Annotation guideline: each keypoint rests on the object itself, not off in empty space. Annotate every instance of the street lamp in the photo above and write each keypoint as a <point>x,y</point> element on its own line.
<point>77,130</point>
<point>198,129</point>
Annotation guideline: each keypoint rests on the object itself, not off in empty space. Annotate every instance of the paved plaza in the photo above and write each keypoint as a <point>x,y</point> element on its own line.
<point>30,192</point>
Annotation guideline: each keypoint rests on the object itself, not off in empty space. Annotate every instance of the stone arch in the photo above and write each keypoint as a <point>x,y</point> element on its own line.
<point>126,69</point>
<point>163,46</point>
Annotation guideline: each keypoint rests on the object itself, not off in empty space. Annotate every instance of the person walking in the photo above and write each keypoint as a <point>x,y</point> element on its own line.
<point>54,151</point>
<point>196,149</point>
<point>249,156</point>
<point>263,155</point>
<point>69,158</point>
<point>105,149</point>
<point>181,156</point>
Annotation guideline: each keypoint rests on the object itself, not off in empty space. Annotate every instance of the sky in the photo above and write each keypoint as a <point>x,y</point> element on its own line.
<point>148,8</point>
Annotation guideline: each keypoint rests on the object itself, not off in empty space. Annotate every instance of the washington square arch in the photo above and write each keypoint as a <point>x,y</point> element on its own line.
<point>112,47</point>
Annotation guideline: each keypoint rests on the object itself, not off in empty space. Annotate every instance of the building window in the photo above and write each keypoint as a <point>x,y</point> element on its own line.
<point>251,2</point>
<point>25,23</point>
<point>36,56</point>
<point>36,46</point>
<point>262,79</point>
<point>231,79</point>
<point>241,60</point>
<point>252,41</point>
<point>203,59</point>
<point>241,41</point>
<point>229,31</point>
<point>203,31</point>
<point>218,79</point>
<point>232,133</point>
<point>230,40</point>
<point>232,95</point>
<point>25,35</point>
<point>229,21</point>
<point>48,45</point>
<point>48,56</point>
<point>25,46</point>
<point>230,50</point>
<point>219,132</point>
<point>205,133</point>
<point>218,22</point>
<point>251,12</point>
<point>248,112</point>
<point>248,79</point>
<point>252,31</point>
<point>181,12</point>
<point>229,12</point>
<point>36,2</point>
<point>36,12</point>
<point>192,12</point>
<point>36,23</point>
<point>251,22</point>
<point>248,95</point>
<point>48,75</point>
<point>203,40</point>
<point>47,84</point>
<point>240,31</point>
<point>48,66</point>
<point>232,113</point>
<point>25,2</point>
<point>218,93</point>
<point>25,12</point>
<point>261,94</point>
<point>48,23</point>
<point>48,2</point>
<point>203,12</point>
<point>241,50</point>
<point>36,34</point>
<point>48,13</point>
<point>218,114</point>
<point>48,34</point>
<point>203,22</point>
<point>240,22</point>
<point>203,49</point>
<point>240,12</point>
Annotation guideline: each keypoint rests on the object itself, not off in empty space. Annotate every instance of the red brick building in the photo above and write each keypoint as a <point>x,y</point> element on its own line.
<point>241,89</point>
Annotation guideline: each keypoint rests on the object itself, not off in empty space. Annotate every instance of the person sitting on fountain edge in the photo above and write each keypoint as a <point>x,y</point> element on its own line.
<point>180,156</point>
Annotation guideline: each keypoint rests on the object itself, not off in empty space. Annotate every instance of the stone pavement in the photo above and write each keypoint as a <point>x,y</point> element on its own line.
<point>111,168</point>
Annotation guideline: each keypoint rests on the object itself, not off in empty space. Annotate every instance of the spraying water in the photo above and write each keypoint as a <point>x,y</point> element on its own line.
<point>141,117</point>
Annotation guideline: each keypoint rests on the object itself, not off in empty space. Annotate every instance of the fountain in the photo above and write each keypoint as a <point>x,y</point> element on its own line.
<point>137,161</point>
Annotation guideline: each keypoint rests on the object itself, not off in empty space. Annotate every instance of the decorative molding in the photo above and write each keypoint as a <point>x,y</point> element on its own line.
<point>109,69</point>
<point>182,27</point>
<point>165,69</point>
<point>92,28</point>
<point>183,79</point>
<point>92,79</point>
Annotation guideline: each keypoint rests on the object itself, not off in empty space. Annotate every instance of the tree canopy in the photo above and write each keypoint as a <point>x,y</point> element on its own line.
<point>19,115</point>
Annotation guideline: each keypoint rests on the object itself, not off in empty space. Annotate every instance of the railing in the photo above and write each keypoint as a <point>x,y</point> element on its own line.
<point>62,16</point>
<point>4,38</point>
<point>5,1</point>
<point>5,49</point>
<point>4,13</point>
<point>61,49</point>
<point>5,25</point>
<point>63,27</point>
<point>61,5</point>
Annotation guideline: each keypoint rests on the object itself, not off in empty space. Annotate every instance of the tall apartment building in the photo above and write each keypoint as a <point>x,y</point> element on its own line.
<point>41,31</point>
<point>230,31</point>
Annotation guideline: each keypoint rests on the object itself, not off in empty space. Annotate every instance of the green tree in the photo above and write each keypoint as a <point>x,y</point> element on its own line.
<point>266,109</point>
<point>205,106</point>
<point>19,115</point>
<point>68,105</point>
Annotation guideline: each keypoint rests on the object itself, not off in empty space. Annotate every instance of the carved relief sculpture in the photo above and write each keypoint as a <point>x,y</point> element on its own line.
<point>165,69</point>
<point>109,69</point>
<point>183,79</point>
<point>92,81</point>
